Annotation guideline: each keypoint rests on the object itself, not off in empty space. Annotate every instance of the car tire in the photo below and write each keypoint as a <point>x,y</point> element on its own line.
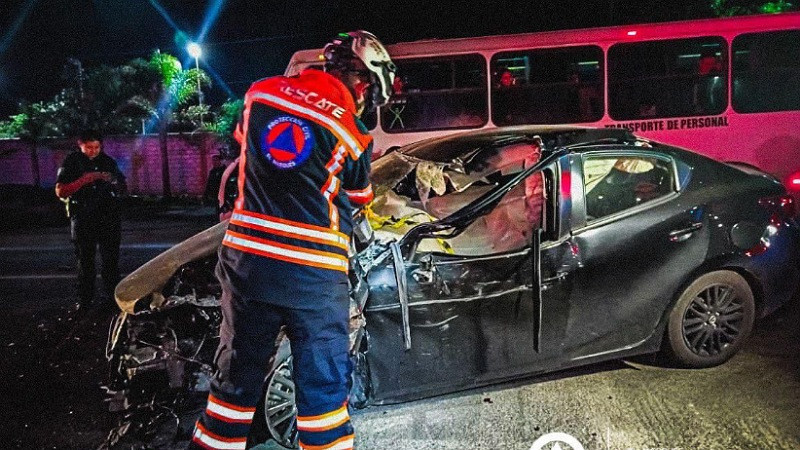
<point>711,320</point>
<point>276,413</point>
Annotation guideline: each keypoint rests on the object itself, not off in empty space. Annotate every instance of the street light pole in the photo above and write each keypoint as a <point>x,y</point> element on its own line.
<point>199,92</point>
<point>79,67</point>
<point>196,51</point>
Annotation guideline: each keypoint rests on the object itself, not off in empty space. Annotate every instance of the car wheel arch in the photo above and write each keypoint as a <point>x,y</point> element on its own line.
<point>755,286</point>
<point>712,266</point>
<point>732,263</point>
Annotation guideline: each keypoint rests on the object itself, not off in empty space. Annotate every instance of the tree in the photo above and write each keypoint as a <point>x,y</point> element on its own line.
<point>13,127</point>
<point>176,89</point>
<point>228,116</point>
<point>117,100</point>
<point>53,118</point>
<point>726,8</point>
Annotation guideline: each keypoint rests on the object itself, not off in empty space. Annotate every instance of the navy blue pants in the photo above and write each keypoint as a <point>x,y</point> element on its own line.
<point>319,339</point>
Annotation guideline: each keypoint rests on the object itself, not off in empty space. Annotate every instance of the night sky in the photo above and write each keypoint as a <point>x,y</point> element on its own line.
<point>253,39</point>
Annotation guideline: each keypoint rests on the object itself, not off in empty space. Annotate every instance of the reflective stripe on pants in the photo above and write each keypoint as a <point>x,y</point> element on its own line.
<point>319,338</point>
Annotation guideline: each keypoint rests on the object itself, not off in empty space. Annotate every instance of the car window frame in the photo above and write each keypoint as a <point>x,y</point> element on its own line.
<point>578,219</point>
<point>562,232</point>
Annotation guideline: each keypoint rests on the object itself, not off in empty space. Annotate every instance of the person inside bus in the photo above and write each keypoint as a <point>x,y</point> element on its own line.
<point>507,79</point>
<point>709,68</point>
<point>589,96</point>
<point>647,108</point>
<point>397,85</point>
<point>709,63</point>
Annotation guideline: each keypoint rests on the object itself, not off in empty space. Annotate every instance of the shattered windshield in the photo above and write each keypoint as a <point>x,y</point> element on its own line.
<point>411,189</point>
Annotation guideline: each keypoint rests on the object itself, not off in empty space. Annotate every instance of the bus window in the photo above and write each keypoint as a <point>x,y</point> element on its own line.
<point>766,72</point>
<point>370,118</point>
<point>446,92</point>
<point>671,78</point>
<point>563,85</point>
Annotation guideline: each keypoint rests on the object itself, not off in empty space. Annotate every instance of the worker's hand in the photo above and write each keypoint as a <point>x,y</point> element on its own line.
<point>88,177</point>
<point>91,177</point>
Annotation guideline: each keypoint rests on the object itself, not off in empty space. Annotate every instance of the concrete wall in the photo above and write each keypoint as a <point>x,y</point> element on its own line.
<point>138,156</point>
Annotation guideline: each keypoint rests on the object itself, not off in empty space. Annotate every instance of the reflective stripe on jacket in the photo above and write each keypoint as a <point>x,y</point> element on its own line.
<point>304,166</point>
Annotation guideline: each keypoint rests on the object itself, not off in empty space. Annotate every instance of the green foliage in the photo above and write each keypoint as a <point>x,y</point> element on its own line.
<point>192,118</point>
<point>177,99</point>
<point>165,65</point>
<point>12,128</point>
<point>727,8</point>
<point>57,117</point>
<point>119,100</point>
<point>185,86</point>
<point>229,114</point>
<point>777,7</point>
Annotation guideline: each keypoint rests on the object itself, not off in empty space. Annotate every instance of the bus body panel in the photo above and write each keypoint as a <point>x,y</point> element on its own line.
<point>767,140</point>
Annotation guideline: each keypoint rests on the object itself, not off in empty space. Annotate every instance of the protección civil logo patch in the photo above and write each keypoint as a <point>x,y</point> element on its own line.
<point>287,142</point>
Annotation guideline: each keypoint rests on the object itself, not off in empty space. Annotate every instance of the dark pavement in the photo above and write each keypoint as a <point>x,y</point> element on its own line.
<point>52,360</point>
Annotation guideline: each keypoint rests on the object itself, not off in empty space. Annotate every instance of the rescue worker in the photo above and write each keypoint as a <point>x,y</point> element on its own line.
<point>92,185</point>
<point>304,168</point>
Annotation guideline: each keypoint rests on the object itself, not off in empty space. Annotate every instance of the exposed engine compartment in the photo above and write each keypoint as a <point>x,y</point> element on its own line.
<point>161,359</point>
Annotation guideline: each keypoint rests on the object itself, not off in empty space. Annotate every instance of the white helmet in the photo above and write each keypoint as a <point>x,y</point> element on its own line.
<point>362,45</point>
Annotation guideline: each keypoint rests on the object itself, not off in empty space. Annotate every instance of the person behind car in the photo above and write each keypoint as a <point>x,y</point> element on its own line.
<point>214,179</point>
<point>305,162</point>
<point>228,190</point>
<point>92,185</point>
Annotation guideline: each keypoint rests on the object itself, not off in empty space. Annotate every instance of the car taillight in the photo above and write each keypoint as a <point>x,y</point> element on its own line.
<point>793,182</point>
<point>782,208</point>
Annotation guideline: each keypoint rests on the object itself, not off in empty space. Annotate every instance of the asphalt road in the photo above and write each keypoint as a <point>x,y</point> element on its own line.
<point>52,365</point>
<point>52,360</point>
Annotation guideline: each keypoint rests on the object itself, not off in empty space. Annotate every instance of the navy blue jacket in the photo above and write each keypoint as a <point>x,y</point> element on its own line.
<point>305,163</point>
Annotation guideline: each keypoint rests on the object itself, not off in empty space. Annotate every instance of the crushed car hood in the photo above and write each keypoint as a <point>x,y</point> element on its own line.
<point>151,277</point>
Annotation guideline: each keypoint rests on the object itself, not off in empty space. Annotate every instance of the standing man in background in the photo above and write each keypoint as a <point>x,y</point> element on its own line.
<point>92,185</point>
<point>304,169</point>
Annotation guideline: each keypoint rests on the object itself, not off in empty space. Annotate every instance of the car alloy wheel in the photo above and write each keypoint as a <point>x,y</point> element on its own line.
<point>711,320</point>
<point>280,409</point>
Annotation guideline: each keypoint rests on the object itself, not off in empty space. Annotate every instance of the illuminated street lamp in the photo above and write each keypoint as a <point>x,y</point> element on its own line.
<point>196,51</point>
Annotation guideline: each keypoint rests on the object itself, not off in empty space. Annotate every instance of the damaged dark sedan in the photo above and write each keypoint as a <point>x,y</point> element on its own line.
<point>495,255</point>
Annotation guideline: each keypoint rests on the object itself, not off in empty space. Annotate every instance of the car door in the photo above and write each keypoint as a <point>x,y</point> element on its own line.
<point>472,315</point>
<point>635,238</point>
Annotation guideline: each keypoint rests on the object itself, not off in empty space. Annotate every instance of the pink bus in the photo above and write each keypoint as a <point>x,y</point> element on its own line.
<point>729,87</point>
